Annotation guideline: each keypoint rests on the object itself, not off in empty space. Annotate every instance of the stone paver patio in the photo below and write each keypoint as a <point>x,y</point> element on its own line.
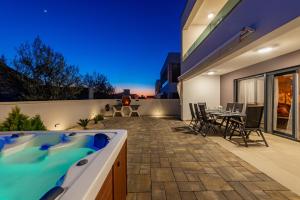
<point>167,162</point>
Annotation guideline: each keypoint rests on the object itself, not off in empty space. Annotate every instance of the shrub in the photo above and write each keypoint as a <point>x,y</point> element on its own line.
<point>83,123</point>
<point>16,121</point>
<point>36,123</point>
<point>98,118</point>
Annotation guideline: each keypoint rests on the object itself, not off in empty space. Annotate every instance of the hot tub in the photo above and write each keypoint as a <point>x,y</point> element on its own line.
<point>62,165</point>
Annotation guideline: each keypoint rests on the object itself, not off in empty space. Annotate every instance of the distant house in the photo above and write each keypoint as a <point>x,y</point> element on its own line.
<point>127,93</point>
<point>166,86</point>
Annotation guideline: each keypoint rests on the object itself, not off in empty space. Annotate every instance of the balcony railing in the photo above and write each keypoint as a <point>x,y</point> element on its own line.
<point>229,6</point>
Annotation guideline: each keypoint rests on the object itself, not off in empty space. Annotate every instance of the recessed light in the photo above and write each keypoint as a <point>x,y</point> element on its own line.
<point>211,73</point>
<point>210,15</point>
<point>265,50</point>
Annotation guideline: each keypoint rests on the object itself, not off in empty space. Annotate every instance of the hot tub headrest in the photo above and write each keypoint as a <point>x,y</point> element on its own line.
<point>64,138</point>
<point>72,134</point>
<point>45,147</point>
<point>16,135</point>
<point>53,193</point>
<point>100,140</point>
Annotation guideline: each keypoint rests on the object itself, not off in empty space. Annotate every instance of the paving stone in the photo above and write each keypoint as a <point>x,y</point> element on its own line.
<point>275,195</point>
<point>158,191</point>
<point>166,163</point>
<point>231,174</point>
<point>242,191</point>
<point>190,186</point>
<point>143,196</point>
<point>253,188</point>
<point>270,185</point>
<point>188,196</point>
<point>139,183</point>
<point>172,191</point>
<point>214,182</point>
<point>192,177</point>
<point>179,174</point>
<point>162,174</point>
<point>131,196</point>
<point>249,175</point>
<point>232,195</point>
<point>210,195</point>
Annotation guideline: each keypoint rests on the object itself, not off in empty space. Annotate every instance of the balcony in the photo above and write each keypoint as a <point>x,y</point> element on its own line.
<point>207,16</point>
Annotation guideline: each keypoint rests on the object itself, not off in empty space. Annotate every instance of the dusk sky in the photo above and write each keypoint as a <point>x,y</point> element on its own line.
<point>126,40</point>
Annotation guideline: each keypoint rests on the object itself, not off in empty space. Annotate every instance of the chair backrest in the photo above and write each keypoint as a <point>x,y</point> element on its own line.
<point>197,112</point>
<point>238,107</point>
<point>203,113</point>
<point>230,107</point>
<point>192,111</point>
<point>254,116</point>
<point>202,103</point>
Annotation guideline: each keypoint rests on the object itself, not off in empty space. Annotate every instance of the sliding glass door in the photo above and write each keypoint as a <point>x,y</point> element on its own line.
<point>284,103</point>
<point>279,92</point>
<point>252,91</point>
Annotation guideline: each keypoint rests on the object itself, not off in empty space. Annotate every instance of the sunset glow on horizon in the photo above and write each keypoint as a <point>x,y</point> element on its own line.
<point>136,89</point>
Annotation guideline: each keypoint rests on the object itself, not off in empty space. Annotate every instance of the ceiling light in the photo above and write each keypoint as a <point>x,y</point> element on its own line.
<point>211,73</point>
<point>265,50</point>
<point>210,15</point>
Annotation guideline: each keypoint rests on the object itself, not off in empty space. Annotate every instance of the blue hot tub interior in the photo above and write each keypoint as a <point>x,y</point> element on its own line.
<point>38,169</point>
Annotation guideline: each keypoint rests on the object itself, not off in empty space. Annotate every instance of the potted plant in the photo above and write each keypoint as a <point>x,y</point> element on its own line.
<point>83,123</point>
<point>98,118</point>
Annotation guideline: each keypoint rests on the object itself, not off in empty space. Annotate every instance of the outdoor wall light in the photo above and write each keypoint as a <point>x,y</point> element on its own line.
<point>211,73</point>
<point>265,50</point>
<point>210,15</point>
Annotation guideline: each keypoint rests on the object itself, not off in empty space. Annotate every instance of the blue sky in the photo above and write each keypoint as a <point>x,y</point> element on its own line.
<point>126,40</point>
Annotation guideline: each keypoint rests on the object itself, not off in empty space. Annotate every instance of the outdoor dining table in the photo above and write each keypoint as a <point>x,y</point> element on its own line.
<point>226,115</point>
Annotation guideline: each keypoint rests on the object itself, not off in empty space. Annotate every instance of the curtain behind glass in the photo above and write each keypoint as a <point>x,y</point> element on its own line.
<point>251,91</point>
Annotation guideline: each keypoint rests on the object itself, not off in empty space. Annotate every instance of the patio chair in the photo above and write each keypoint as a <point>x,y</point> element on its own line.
<point>229,107</point>
<point>134,110</point>
<point>203,103</point>
<point>199,125</point>
<point>208,122</point>
<point>238,107</point>
<point>248,124</point>
<point>193,120</point>
<point>117,110</point>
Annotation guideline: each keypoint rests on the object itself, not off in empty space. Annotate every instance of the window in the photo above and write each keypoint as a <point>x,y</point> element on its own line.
<point>251,91</point>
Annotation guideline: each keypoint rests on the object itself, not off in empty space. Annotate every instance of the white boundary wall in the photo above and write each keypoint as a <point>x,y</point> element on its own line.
<point>202,88</point>
<point>65,114</point>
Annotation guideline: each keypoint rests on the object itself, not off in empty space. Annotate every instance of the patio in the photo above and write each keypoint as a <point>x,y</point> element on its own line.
<point>167,162</point>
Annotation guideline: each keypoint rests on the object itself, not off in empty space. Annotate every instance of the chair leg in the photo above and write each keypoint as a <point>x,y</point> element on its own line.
<point>191,122</point>
<point>233,129</point>
<point>200,127</point>
<point>263,137</point>
<point>244,137</point>
<point>205,130</point>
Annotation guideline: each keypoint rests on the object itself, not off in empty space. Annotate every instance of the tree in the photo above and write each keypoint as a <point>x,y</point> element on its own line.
<point>100,84</point>
<point>45,72</point>
<point>3,60</point>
